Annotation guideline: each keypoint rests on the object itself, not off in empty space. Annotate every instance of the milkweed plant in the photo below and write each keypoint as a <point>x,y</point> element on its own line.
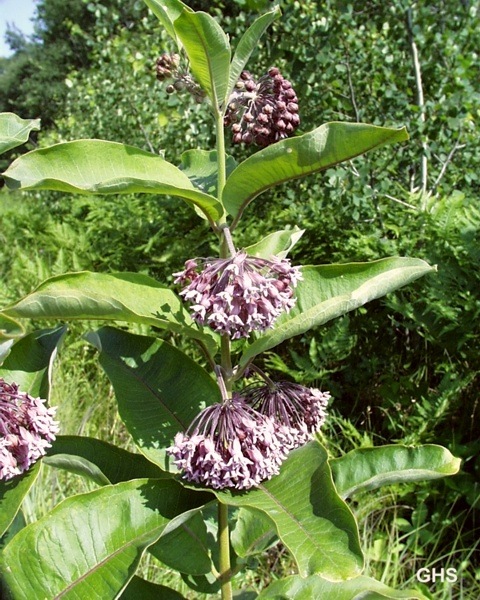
<point>230,459</point>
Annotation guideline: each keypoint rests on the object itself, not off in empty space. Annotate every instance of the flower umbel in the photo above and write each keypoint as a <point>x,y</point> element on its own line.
<point>264,111</point>
<point>240,294</point>
<point>229,445</point>
<point>298,410</point>
<point>27,427</point>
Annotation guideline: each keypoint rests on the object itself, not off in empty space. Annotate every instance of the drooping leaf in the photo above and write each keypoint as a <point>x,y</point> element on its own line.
<point>278,243</point>
<point>130,297</point>
<point>147,590</point>
<point>15,131</point>
<point>9,328</point>
<point>329,291</point>
<point>99,461</point>
<point>370,468</point>
<point>248,43</point>
<point>167,11</point>
<point>201,167</point>
<point>187,548</point>
<point>254,532</point>
<point>296,157</point>
<point>99,167</point>
<point>29,363</point>
<point>89,546</point>
<point>12,493</point>
<point>208,50</point>
<point>159,389</point>
<point>311,519</point>
<point>310,588</point>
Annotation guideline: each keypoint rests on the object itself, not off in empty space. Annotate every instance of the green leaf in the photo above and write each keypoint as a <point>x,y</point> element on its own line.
<point>312,521</point>
<point>369,468</point>
<point>310,588</point>
<point>159,389</point>
<point>167,11</point>
<point>146,590</point>
<point>254,532</point>
<point>248,43</point>
<point>187,548</point>
<point>5,348</point>
<point>89,546</point>
<point>279,243</point>
<point>130,297</point>
<point>9,328</point>
<point>295,157</point>
<point>99,167</point>
<point>208,50</point>
<point>15,131</point>
<point>329,291</point>
<point>201,167</point>
<point>99,461</point>
<point>29,363</point>
<point>12,493</point>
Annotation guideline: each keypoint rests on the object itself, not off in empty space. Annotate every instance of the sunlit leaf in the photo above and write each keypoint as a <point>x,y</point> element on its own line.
<point>130,297</point>
<point>90,545</point>
<point>311,519</point>
<point>314,587</point>
<point>99,167</point>
<point>15,131</point>
<point>370,468</point>
<point>279,243</point>
<point>201,167</point>
<point>208,50</point>
<point>167,11</point>
<point>296,157</point>
<point>329,291</point>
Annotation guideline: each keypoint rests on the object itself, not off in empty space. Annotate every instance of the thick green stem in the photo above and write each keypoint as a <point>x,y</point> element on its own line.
<point>224,544</point>
<point>226,363</point>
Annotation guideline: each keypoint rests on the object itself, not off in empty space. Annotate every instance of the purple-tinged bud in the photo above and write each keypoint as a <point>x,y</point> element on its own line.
<point>27,427</point>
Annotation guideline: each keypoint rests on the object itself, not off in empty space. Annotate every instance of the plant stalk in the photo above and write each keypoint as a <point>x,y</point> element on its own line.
<point>224,547</point>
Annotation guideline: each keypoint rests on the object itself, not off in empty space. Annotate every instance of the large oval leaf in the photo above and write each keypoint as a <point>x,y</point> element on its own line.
<point>12,493</point>
<point>89,546</point>
<point>159,389</point>
<point>311,519</point>
<point>208,50</point>
<point>15,131</point>
<point>329,291</point>
<point>99,461</point>
<point>99,167</point>
<point>130,297</point>
<point>295,157</point>
<point>167,11</point>
<point>316,588</point>
<point>369,468</point>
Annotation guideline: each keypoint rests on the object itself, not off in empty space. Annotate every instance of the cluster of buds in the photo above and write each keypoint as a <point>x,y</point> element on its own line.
<point>27,428</point>
<point>262,112</point>
<point>240,294</point>
<point>238,445</point>
<point>168,66</point>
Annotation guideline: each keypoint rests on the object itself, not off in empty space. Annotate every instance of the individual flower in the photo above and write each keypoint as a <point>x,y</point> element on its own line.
<point>264,111</point>
<point>27,427</point>
<point>229,445</point>
<point>298,410</point>
<point>240,294</point>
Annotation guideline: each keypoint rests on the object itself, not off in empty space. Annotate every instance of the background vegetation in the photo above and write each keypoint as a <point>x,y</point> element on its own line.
<point>408,371</point>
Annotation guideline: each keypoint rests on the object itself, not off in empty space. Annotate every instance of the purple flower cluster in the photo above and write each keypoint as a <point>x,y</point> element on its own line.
<point>243,441</point>
<point>27,427</point>
<point>264,111</point>
<point>240,294</point>
<point>229,445</point>
<point>300,411</point>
